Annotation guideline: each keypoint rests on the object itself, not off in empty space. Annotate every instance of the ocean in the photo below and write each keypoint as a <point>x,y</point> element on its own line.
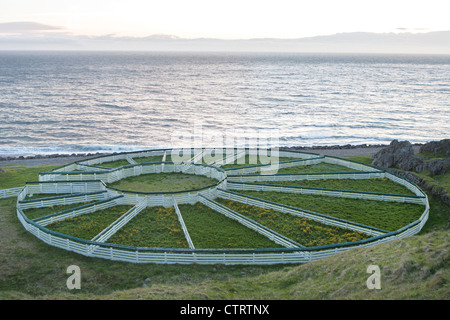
<point>87,102</point>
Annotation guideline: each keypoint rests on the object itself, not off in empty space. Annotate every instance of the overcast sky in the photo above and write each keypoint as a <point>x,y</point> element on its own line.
<point>230,19</point>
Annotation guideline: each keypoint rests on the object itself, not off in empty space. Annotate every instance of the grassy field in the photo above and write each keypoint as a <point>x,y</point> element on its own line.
<point>320,167</point>
<point>152,227</point>
<point>389,216</point>
<point>149,159</point>
<point>163,182</point>
<point>303,231</point>
<point>413,268</point>
<point>251,160</point>
<point>18,175</point>
<point>209,229</point>
<point>87,226</point>
<point>369,185</point>
<point>34,213</point>
<point>114,164</point>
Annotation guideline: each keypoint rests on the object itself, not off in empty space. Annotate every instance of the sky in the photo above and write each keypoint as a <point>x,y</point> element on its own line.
<point>230,19</point>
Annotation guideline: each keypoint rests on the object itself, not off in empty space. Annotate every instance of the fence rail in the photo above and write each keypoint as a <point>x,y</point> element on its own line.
<point>248,186</point>
<point>183,225</point>
<point>265,204</point>
<point>268,233</point>
<point>9,193</point>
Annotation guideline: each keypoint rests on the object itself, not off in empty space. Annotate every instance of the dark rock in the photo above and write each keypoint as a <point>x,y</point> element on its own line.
<point>397,154</point>
<point>401,155</point>
<point>441,147</point>
<point>435,166</point>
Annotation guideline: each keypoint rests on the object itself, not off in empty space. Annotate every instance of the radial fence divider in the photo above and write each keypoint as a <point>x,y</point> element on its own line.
<point>94,167</point>
<point>308,176</point>
<point>228,159</point>
<point>109,231</point>
<point>251,186</point>
<point>183,225</point>
<point>67,167</point>
<point>190,162</point>
<point>279,165</point>
<point>77,211</point>
<point>87,167</point>
<point>63,200</point>
<point>130,160</point>
<point>328,220</point>
<point>163,160</point>
<point>249,223</point>
<point>350,164</point>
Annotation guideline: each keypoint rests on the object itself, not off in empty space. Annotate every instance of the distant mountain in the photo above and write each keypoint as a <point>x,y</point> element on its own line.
<point>42,37</point>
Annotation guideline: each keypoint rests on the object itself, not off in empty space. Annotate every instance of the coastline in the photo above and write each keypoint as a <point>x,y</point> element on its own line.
<point>342,151</point>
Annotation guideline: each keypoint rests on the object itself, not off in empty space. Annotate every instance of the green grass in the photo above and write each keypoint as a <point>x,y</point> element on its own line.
<point>18,175</point>
<point>427,155</point>
<point>249,161</point>
<point>306,232</point>
<point>389,216</point>
<point>114,164</point>
<point>414,268</point>
<point>153,227</point>
<point>209,229</point>
<point>149,159</point>
<point>163,182</point>
<point>362,159</point>
<point>87,226</point>
<point>320,167</point>
<point>366,185</point>
<point>441,180</point>
<point>441,183</point>
<point>34,213</point>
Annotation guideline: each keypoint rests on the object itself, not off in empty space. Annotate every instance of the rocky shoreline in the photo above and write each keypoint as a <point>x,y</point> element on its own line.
<point>330,149</point>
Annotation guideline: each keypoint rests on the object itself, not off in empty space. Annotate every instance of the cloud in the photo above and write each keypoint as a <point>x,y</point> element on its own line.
<point>413,29</point>
<point>37,36</point>
<point>24,27</point>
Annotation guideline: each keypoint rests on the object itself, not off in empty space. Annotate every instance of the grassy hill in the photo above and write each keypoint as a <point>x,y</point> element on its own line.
<point>412,268</point>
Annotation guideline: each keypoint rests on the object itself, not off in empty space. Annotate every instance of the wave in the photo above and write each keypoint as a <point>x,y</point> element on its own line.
<point>113,106</point>
<point>71,149</point>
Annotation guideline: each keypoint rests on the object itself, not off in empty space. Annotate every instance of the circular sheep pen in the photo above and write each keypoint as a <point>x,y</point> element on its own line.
<point>244,206</point>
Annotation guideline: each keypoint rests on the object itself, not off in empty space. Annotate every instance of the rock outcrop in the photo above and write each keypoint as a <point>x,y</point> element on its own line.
<point>400,155</point>
<point>436,147</point>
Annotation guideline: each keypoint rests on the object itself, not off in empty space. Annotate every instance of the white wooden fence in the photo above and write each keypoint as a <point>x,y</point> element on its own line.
<point>325,192</point>
<point>265,204</point>
<point>87,184</point>
<point>268,233</point>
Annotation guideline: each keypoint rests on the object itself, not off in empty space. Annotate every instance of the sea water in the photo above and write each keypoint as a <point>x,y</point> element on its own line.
<point>77,102</point>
